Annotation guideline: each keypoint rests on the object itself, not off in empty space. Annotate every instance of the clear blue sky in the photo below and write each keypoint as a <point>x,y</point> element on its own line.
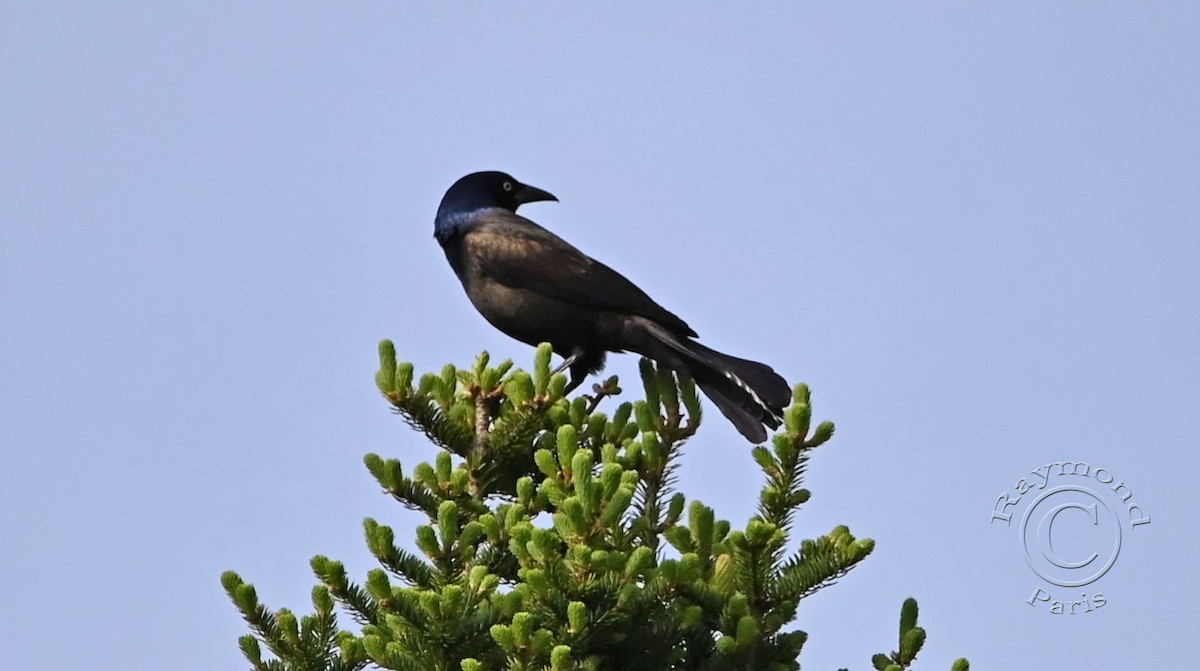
<point>972,229</point>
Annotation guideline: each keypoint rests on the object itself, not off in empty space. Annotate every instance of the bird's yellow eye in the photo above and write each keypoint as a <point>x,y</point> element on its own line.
<point>508,186</point>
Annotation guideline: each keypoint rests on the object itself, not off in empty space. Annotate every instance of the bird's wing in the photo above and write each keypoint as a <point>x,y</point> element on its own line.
<point>518,253</point>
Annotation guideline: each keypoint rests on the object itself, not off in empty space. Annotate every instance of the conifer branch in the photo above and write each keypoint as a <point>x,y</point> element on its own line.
<point>545,520</point>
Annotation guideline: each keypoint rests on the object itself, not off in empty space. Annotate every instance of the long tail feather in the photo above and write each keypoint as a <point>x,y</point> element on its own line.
<point>748,420</point>
<point>750,394</point>
<point>770,390</point>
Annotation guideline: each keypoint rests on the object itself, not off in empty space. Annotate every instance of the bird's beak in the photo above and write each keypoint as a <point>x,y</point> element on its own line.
<point>532,194</point>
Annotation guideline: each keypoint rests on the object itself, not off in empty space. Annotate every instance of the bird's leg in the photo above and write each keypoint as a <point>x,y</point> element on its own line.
<point>579,373</point>
<point>567,362</point>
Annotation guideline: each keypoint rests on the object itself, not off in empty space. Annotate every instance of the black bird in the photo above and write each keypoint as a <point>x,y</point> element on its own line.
<point>535,287</point>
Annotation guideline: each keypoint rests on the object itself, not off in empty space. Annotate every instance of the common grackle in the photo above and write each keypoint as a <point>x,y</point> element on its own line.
<point>535,287</point>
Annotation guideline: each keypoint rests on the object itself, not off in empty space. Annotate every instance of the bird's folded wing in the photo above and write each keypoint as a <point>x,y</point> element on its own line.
<point>518,253</point>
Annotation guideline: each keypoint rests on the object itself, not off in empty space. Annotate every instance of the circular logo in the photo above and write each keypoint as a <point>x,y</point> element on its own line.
<point>1071,536</point>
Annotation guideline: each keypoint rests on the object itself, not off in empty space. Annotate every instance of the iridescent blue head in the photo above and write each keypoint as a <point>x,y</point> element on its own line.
<point>479,192</point>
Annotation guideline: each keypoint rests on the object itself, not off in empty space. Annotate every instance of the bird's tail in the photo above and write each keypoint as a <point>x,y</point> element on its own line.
<point>748,393</point>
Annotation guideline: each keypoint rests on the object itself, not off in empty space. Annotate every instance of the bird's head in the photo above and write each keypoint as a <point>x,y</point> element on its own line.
<point>485,190</point>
